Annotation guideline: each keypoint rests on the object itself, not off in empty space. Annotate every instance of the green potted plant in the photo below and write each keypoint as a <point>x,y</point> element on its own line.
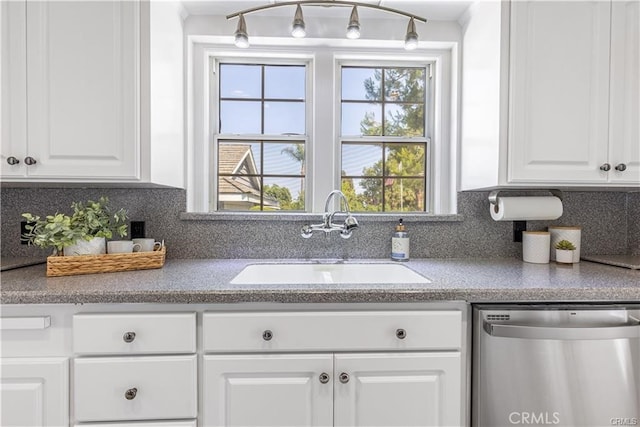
<point>83,233</point>
<point>564,252</point>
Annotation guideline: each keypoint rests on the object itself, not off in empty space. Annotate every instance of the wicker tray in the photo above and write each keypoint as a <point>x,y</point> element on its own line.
<point>108,263</point>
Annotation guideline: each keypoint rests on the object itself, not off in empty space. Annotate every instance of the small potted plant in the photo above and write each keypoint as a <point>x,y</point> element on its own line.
<point>564,252</point>
<point>83,233</point>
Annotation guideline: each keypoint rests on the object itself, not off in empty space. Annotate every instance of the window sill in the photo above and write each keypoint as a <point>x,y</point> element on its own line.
<point>302,216</point>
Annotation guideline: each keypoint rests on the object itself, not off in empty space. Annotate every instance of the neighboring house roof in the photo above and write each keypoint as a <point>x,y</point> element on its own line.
<point>233,156</point>
<point>238,159</point>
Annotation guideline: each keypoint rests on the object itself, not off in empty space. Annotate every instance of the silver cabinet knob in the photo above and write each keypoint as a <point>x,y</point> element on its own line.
<point>344,378</point>
<point>129,336</point>
<point>12,160</point>
<point>29,161</point>
<point>401,334</point>
<point>621,167</point>
<point>267,335</point>
<point>324,378</point>
<point>131,393</point>
<point>605,167</point>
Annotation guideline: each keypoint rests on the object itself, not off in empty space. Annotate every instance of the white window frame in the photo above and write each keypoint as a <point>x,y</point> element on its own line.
<point>323,126</point>
<point>214,65</point>
<point>352,61</point>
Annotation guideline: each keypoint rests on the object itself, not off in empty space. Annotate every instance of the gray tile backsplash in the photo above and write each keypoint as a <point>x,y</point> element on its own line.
<point>633,222</point>
<point>609,222</point>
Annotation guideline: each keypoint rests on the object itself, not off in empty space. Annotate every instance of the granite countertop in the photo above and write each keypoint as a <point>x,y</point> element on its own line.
<point>208,281</point>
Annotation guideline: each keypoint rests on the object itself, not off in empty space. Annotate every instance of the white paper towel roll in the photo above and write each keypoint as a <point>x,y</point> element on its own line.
<point>526,208</point>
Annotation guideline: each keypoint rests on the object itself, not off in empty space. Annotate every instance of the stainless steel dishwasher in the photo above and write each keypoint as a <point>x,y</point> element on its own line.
<point>556,365</point>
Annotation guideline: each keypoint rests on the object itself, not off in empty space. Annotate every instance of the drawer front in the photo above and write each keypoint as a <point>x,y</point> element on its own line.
<point>127,333</point>
<point>332,331</point>
<point>135,388</point>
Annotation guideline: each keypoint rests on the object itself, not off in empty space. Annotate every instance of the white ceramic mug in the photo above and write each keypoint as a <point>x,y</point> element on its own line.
<point>122,246</point>
<point>147,245</point>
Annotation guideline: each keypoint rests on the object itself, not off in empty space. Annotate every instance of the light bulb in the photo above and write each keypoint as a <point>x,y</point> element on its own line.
<point>298,27</point>
<point>241,41</point>
<point>411,38</point>
<point>241,36</point>
<point>353,29</point>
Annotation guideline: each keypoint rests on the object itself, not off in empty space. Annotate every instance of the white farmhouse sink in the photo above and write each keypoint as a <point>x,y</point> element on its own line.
<point>288,274</point>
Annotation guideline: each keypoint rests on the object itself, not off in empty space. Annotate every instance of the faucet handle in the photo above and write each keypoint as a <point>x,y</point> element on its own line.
<point>307,231</point>
<point>350,223</point>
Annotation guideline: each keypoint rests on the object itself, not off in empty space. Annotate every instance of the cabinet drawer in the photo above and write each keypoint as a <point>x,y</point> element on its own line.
<point>332,331</point>
<point>135,388</point>
<point>134,333</point>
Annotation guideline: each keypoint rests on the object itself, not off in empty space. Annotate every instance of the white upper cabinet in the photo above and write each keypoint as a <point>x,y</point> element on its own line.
<point>565,110</point>
<point>13,100</point>
<point>624,128</point>
<point>559,106</point>
<point>77,92</point>
<point>82,79</point>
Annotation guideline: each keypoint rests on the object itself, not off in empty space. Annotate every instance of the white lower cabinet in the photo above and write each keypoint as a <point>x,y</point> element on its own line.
<point>333,368</point>
<point>34,391</point>
<point>132,366</point>
<point>268,390</point>
<point>397,389</point>
<point>359,389</point>
<point>206,365</point>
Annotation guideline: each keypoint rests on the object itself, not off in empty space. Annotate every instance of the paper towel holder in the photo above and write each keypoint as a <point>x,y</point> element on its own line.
<point>519,226</point>
<point>495,194</point>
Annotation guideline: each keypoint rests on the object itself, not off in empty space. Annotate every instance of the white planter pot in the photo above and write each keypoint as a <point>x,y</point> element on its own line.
<point>95,246</point>
<point>564,256</point>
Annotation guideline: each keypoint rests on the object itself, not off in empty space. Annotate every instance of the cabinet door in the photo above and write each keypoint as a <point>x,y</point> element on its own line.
<point>624,131</point>
<point>268,390</point>
<point>13,124</point>
<point>34,392</point>
<point>398,389</point>
<point>82,89</point>
<point>559,91</point>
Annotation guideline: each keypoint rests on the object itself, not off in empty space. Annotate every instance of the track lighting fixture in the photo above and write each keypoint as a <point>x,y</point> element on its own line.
<point>298,28</point>
<point>353,29</point>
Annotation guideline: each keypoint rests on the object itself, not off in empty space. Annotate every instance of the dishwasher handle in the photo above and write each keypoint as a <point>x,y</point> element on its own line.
<point>562,333</point>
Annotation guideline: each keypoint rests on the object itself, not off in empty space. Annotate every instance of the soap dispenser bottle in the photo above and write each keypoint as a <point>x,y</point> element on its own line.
<point>400,243</point>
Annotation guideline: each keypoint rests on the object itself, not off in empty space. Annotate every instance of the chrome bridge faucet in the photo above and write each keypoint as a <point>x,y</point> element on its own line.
<point>345,229</point>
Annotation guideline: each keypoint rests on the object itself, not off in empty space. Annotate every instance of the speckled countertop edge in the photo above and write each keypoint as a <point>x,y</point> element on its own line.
<point>207,281</point>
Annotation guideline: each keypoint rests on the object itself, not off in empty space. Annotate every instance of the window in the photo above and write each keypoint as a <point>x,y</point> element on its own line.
<point>383,140</point>
<point>262,141</point>
<point>276,130</point>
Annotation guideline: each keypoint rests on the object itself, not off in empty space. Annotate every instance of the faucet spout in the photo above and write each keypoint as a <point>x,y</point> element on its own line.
<point>328,225</point>
<point>343,198</point>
